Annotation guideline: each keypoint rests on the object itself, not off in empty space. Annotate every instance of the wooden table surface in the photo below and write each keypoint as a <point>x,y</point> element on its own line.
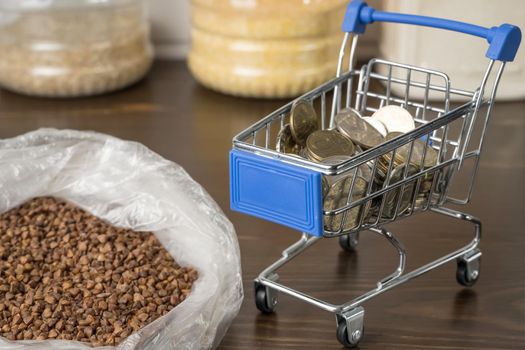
<point>184,122</point>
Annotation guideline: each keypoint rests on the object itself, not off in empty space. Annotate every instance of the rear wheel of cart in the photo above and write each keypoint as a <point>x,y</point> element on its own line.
<point>348,341</point>
<point>464,276</point>
<point>349,242</point>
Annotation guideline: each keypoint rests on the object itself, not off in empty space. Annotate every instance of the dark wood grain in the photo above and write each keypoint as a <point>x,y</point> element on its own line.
<point>170,113</point>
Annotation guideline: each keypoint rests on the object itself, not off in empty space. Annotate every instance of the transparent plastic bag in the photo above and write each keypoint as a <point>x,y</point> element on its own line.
<point>128,185</point>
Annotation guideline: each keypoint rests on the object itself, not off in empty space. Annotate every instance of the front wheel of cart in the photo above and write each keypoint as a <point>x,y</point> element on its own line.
<point>465,276</point>
<point>348,341</point>
<point>350,327</point>
<point>264,301</point>
<point>349,242</point>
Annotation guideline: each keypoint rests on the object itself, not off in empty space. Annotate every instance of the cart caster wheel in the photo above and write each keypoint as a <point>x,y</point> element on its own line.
<point>465,276</point>
<point>349,242</point>
<point>350,327</point>
<point>262,301</point>
<point>265,298</point>
<point>345,340</point>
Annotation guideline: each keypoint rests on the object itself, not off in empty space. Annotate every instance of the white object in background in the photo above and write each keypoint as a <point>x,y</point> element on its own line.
<point>395,119</point>
<point>460,56</point>
<point>376,124</point>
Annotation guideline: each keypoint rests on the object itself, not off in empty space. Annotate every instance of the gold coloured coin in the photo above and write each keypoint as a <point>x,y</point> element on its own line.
<point>285,141</point>
<point>382,166</point>
<point>392,135</point>
<point>335,160</point>
<point>303,153</point>
<point>322,144</point>
<point>385,158</point>
<point>421,201</point>
<point>401,194</point>
<point>418,152</point>
<point>337,197</point>
<point>303,121</point>
<point>426,182</point>
<point>364,170</point>
<point>431,156</point>
<point>351,124</point>
<point>325,186</point>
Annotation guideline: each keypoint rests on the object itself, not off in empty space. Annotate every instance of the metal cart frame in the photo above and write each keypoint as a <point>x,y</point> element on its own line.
<point>456,135</point>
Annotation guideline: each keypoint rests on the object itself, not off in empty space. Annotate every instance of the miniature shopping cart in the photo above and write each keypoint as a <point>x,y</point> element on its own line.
<point>287,189</point>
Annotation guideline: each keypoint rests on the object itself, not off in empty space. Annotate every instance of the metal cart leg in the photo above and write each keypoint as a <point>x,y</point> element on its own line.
<point>468,264</point>
<point>350,316</point>
<point>266,285</point>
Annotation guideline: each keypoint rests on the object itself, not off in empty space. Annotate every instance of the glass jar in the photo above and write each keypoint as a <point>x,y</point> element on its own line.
<point>68,48</point>
<point>265,48</point>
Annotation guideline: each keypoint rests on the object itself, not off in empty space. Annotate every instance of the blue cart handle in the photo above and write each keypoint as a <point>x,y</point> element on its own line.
<point>503,40</point>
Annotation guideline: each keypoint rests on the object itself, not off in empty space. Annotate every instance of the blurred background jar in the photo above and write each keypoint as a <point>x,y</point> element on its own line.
<point>265,48</point>
<point>69,48</point>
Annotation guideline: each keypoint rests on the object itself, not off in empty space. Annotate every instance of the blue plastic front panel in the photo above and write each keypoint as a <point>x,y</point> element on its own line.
<point>276,191</point>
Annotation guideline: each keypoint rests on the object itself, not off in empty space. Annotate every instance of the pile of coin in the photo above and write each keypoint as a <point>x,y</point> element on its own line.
<point>352,134</point>
<point>422,156</point>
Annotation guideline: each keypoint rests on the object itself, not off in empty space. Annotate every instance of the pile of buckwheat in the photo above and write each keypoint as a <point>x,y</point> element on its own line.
<point>65,274</point>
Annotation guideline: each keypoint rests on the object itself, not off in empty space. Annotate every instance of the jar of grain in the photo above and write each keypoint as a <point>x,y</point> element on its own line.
<point>68,48</point>
<point>265,48</point>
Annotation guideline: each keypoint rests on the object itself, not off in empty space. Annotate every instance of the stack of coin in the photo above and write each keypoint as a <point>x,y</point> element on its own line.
<point>338,196</point>
<point>323,144</point>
